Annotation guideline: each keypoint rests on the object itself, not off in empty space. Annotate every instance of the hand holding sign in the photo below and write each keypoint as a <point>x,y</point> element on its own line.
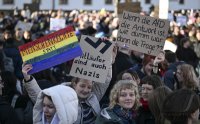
<point>25,69</point>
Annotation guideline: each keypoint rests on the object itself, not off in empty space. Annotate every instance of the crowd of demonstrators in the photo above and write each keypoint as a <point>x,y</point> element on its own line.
<point>138,84</point>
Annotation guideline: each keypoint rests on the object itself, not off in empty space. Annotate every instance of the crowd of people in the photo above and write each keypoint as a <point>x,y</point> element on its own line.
<point>139,88</point>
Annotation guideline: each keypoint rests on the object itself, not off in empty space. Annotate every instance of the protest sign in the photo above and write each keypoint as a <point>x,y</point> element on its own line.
<point>95,61</point>
<point>163,9</point>
<point>24,26</point>
<point>181,20</point>
<point>56,24</point>
<point>51,50</point>
<point>170,46</point>
<point>142,33</point>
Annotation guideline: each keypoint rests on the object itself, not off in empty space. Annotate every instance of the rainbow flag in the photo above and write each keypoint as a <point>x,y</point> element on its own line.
<point>51,50</point>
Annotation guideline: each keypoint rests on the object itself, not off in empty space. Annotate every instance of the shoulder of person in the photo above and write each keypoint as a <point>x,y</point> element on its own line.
<point>109,115</point>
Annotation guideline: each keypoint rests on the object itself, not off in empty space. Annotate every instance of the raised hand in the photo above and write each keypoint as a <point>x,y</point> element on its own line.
<point>25,69</point>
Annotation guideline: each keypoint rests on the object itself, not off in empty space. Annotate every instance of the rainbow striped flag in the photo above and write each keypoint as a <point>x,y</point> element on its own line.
<point>51,50</point>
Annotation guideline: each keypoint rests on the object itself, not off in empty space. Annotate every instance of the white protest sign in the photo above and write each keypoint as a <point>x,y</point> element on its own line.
<point>163,9</point>
<point>56,24</point>
<point>181,20</point>
<point>170,46</point>
<point>170,17</point>
<point>24,26</point>
<point>142,33</point>
<point>96,59</point>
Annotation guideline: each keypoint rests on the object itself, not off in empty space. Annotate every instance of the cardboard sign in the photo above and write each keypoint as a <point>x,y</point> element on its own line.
<point>181,20</point>
<point>96,59</point>
<point>56,24</point>
<point>170,46</point>
<point>142,33</point>
<point>24,26</point>
<point>163,9</point>
<point>51,50</point>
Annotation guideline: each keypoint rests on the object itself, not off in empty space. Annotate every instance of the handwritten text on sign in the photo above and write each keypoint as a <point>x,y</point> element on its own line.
<point>95,61</point>
<point>142,33</point>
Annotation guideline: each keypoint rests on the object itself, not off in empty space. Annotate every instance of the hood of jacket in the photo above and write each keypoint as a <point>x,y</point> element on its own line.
<point>65,101</point>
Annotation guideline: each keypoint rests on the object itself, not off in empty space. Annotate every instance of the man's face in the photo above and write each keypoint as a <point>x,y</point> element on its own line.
<point>146,90</point>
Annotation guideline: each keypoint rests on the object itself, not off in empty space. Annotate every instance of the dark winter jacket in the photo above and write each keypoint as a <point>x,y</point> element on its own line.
<point>7,113</point>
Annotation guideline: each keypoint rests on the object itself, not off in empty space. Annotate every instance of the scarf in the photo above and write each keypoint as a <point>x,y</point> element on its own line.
<point>144,104</point>
<point>127,116</point>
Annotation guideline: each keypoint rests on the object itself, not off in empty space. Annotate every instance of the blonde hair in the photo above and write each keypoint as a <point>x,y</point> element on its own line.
<point>122,85</point>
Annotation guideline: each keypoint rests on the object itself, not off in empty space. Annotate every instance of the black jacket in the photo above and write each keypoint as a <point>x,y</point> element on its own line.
<point>144,116</point>
<point>7,113</point>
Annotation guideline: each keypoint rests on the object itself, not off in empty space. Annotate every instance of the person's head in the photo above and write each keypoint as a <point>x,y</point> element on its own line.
<point>27,35</point>
<point>82,87</point>
<point>155,101</point>
<point>125,93</point>
<point>48,108</point>
<point>129,75</point>
<point>7,34</point>
<point>58,103</point>
<point>18,33</point>
<point>186,75</point>
<point>181,107</point>
<point>185,42</point>
<point>148,84</point>
<point>147,64</point>
<point>170,56</point>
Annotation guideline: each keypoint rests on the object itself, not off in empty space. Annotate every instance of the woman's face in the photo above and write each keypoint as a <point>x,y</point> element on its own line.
<point>126,98</point>
<point>146,91</point>
<point>148,67</point>
<point>83,88</point>
<point>48,109</point>
<point>179,75</point>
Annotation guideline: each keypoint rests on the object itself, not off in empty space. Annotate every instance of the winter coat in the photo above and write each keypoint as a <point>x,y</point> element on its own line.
<point>144,116</point>
<point>107,116</point>
<point>7,113</point>
<point>65,101</point>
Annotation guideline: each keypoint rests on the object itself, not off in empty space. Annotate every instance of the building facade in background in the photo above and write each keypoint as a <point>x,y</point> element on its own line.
<point>92,4</point>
